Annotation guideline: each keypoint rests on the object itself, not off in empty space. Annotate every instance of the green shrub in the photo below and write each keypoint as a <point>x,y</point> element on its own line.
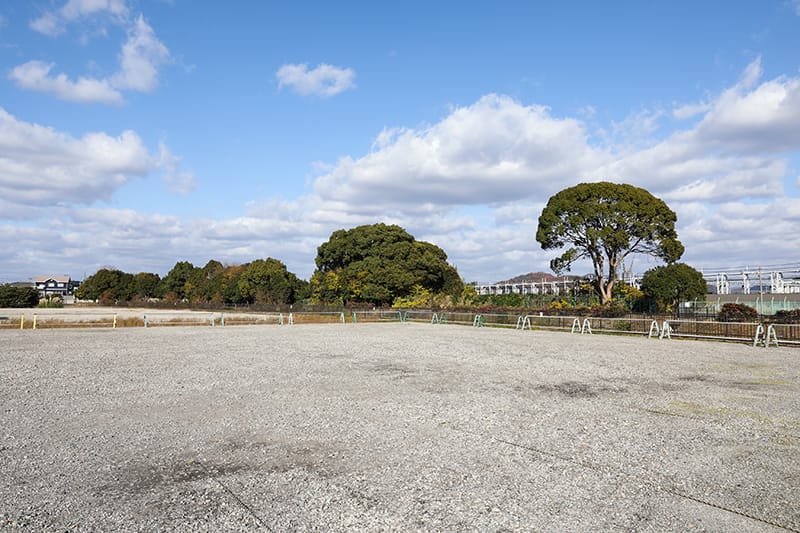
<point>737,313</point>
<point>613,310</point>
<point>11,296</point>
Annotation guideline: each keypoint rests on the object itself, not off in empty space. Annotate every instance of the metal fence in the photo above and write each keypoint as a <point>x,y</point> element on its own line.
<point>664,327</point>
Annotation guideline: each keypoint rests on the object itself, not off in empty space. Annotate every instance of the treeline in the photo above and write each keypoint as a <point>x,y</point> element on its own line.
<point>264,281</point>
<point>375,264</point>
<point>11,296</point>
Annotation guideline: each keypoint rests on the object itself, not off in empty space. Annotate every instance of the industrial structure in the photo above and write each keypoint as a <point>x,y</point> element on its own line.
<point>771,279</point>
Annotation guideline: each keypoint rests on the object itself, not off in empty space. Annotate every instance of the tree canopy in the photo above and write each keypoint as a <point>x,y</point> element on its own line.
<point>108,285</point>
<point>378,263</point>
<point>11,296</point>
<point>668,285</point>
<point>605,222</point>
<point>264,281</point>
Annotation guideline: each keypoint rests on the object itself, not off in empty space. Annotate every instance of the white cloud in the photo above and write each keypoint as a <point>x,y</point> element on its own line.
<point>140,58</point>
<point>495,150</point>
<point>43,167</point>
<point>323,80</point>
<point>750,118</point>
<point>35,76</point>
<point>687,111</point>
<point>473,182</point>
<point>53,22</point>
<point>179,182</point>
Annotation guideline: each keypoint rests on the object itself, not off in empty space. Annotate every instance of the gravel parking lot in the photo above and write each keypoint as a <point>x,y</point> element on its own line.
<point>396,426</point>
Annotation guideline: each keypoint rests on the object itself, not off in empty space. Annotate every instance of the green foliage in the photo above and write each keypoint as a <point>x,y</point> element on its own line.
<point>419,298</point>
<point>107,286</point>
<point>11,296</point>
<point>173,285</point>
<point>605,222</point>
<point>737,313</point>
<point>267,282</point>
<point>516,301</point>
<point>145,285</point>
<point>377,264</point>
<point>668,285</point>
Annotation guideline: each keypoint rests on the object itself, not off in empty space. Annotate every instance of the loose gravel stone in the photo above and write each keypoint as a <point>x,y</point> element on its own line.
<point>393,427</point>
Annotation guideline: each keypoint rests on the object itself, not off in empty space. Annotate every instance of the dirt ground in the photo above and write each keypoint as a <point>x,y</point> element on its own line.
<point>394,427</point>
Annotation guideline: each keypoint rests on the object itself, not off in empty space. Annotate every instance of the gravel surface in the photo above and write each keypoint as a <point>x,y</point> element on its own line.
<point>394,427</point>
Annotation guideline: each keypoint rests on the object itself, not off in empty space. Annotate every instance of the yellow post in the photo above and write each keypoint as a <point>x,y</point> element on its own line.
<point>34,320</point>
<point>115,321</point>
<point>22,322</point>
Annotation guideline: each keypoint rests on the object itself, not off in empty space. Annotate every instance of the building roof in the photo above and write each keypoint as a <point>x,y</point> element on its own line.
<point>41,279</point>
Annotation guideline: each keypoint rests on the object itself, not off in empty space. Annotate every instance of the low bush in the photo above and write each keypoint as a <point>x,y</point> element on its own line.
<point>737,313</point>
<point>787,317</point>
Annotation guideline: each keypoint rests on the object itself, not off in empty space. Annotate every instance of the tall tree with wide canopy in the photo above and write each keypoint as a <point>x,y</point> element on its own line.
<point>378,263</point>
<point>605,223</point>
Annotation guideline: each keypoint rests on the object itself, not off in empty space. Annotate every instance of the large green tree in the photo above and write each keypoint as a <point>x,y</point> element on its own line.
<point>108,285</point>
<point>605,223</point>
<point>378,263</point>
<point>267,281</point>
<point>173,285</point>
<point>667,285</point>
<point>145,285</point>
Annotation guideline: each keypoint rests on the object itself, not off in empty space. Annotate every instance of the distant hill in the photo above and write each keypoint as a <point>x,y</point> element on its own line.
<point>538,277</point>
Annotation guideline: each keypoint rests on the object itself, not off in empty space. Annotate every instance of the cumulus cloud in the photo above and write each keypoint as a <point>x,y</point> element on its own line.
<point>35,75</point>
<point>40,166</point>
<point>53,22</point>
<point>473,182</point>
<point>493,151</point>
<point>323,80</point>
<point>141,56</point>
<point>750,118</point>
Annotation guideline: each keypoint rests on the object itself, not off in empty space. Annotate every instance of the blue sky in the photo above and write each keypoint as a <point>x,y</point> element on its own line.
<point>138,133</point>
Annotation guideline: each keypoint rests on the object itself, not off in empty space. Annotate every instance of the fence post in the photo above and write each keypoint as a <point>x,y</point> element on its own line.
<point>576,325</point>
<point>587,326</point>
<point>34,320</point>
<point>145,320</point>
<point>114,325</point>
<point>222,319</point>
<point>654,326</point>
<point>22,322</point>
<point>291,319</point>
<point>354,320</point>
